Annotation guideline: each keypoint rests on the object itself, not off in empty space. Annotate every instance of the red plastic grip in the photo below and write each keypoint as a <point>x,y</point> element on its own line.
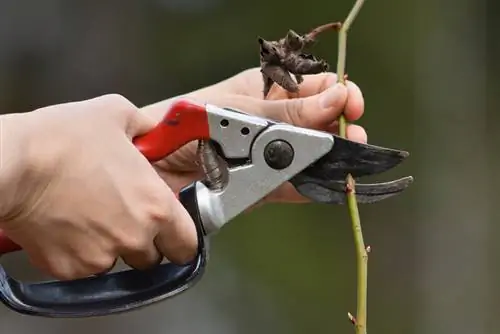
<point>185,121</point>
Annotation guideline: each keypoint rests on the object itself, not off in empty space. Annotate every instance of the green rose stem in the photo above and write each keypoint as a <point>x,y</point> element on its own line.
<point>361,251</point>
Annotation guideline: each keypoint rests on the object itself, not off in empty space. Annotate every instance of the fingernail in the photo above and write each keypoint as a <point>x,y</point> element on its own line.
<point>330,96</point>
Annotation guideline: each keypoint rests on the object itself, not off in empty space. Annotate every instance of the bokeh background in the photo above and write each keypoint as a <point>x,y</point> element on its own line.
<point>429,75</point>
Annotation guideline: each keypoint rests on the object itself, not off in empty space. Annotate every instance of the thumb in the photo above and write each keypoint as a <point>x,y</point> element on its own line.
<point>316,111</point>
<point>122,112</point>
<point>139,124</point>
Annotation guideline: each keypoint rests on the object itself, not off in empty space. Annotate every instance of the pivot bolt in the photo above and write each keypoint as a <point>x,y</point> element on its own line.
<point>278,154</point>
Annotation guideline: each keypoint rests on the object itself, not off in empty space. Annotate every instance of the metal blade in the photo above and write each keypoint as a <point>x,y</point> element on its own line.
<point>333,192</point>
<point>349,157</point>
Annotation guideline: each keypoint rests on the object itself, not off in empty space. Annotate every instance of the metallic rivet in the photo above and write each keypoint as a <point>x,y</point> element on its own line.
<point>278,154</point>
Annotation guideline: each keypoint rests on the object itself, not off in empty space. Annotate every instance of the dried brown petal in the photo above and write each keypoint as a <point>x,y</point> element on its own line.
<point>281,59</point>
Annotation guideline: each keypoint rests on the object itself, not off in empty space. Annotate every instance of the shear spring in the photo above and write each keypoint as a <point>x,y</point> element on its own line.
<point>213,166</point>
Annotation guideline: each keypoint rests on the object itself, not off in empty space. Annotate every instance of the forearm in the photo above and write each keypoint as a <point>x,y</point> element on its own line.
<point>14,152</point>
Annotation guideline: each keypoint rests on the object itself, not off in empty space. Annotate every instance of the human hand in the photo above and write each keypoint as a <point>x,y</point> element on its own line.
<point>318,105</point>
<point>77,194</point>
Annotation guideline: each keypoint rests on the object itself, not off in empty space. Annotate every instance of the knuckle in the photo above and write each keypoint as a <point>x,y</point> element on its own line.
<point>184,253</point>
<point>118,104</point>
<point>294,111</point>
<point>158,205</point>
<point>120,109</point>
<point>178,241</point>
<point>189,251</point>
<point>53,264</point>
<point>65,272</point>
<point>146,219</point>
<point>71,269</point>
<point>99,264</point>
<point>148,214</point>
<point>327,80</point>
<point>182,259</point>
<point>115,99</point>
<point>135,242</point>
<point>158,212</point>
<point>181,247</point>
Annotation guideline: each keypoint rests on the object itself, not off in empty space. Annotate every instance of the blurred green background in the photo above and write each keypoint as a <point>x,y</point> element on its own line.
<point>428,75</point>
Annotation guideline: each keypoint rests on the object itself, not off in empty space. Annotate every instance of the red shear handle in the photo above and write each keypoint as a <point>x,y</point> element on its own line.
<point>185,121</point>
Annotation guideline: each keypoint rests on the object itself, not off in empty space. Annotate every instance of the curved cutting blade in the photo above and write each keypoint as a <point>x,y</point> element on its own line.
<point>349,157</point>
<point>333,192</point>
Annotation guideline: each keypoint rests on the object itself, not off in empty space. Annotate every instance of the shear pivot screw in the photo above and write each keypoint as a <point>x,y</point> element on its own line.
<point>278,154</point>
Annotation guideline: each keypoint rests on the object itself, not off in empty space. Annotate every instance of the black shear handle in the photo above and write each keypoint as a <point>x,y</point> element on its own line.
<point>110,293</point>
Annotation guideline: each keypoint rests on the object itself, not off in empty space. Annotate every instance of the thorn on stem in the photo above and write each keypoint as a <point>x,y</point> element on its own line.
<point>348,188</point>
<point>368,249</point>
<point>351,318</point>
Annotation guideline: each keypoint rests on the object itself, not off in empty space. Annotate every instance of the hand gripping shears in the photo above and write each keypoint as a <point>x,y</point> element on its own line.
<point>244,158</point>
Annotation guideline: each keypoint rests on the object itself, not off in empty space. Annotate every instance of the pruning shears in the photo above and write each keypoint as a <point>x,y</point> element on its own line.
<point>244,158</point>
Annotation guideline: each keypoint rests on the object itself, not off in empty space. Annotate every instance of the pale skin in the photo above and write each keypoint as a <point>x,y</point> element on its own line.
<point>77,195</point>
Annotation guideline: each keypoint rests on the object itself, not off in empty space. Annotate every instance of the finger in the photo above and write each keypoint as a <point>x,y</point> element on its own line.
<point>43,260</point>
<point>144,259</point>
<point>177,239</point>
<point>316,84</point>
<point>316,111</point>
<point>249,83</point>
<point>107,270</point>
<point>134,122</point>
<point>355,106</point>
<point>63,266</point>
<point>139,124</point>
<point>312,85</point>
<point>357,133</point>
<point>354,132</point>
